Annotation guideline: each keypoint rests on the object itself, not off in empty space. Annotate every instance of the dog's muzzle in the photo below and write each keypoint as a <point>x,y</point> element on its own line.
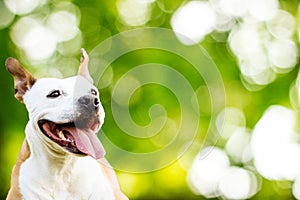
<point>78,135</point>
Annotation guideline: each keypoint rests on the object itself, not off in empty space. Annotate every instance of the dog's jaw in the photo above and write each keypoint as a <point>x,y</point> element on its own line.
<point>82,141</point>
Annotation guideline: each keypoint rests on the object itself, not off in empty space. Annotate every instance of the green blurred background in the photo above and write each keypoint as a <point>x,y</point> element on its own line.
<point>254,46</point>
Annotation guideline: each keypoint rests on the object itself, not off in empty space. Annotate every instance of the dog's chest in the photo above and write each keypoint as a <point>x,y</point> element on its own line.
<point>82,180</point>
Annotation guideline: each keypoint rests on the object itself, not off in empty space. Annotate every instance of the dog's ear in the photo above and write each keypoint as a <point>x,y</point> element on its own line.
<point>83,67</point>
<point>23,80</point>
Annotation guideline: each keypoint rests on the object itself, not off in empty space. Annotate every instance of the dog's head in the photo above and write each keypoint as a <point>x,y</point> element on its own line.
<point>66,113</point>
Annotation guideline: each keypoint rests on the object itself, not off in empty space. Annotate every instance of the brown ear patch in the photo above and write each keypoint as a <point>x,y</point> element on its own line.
<point>23,80</point>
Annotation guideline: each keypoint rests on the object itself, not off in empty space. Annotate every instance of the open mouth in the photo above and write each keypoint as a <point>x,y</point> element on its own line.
<point>74,138</point>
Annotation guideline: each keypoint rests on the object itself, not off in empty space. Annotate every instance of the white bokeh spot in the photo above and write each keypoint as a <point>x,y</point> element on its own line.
<point>193,21</point>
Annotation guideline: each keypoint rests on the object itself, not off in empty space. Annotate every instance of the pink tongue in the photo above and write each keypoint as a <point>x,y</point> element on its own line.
<point>87,142</point>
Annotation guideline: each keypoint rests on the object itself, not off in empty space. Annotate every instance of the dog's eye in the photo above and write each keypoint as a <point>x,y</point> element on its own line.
<point>54,94</point>
<point>93,92</point>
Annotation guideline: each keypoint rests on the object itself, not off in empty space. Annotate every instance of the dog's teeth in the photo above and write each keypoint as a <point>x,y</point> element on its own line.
<point>61,135</point>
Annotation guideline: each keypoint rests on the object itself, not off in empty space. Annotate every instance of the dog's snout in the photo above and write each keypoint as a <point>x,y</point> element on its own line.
<point>89,101</point>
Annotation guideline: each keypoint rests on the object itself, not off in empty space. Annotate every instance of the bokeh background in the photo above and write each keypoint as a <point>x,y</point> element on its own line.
<point>244,145</point>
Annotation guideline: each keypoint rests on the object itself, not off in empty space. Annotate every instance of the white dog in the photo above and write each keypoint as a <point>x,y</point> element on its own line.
<point>61,157</point>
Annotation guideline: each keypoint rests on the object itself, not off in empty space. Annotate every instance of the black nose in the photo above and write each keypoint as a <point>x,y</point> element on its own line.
<point>89,101</point>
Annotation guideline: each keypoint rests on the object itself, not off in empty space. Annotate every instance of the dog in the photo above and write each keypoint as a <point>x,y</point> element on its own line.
<point>61,156</point>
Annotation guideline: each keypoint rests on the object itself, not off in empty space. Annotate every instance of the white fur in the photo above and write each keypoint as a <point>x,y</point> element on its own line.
<point>52,173</point>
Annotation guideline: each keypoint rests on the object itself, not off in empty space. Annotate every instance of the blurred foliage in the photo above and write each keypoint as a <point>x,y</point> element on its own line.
<point>99,20</point>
